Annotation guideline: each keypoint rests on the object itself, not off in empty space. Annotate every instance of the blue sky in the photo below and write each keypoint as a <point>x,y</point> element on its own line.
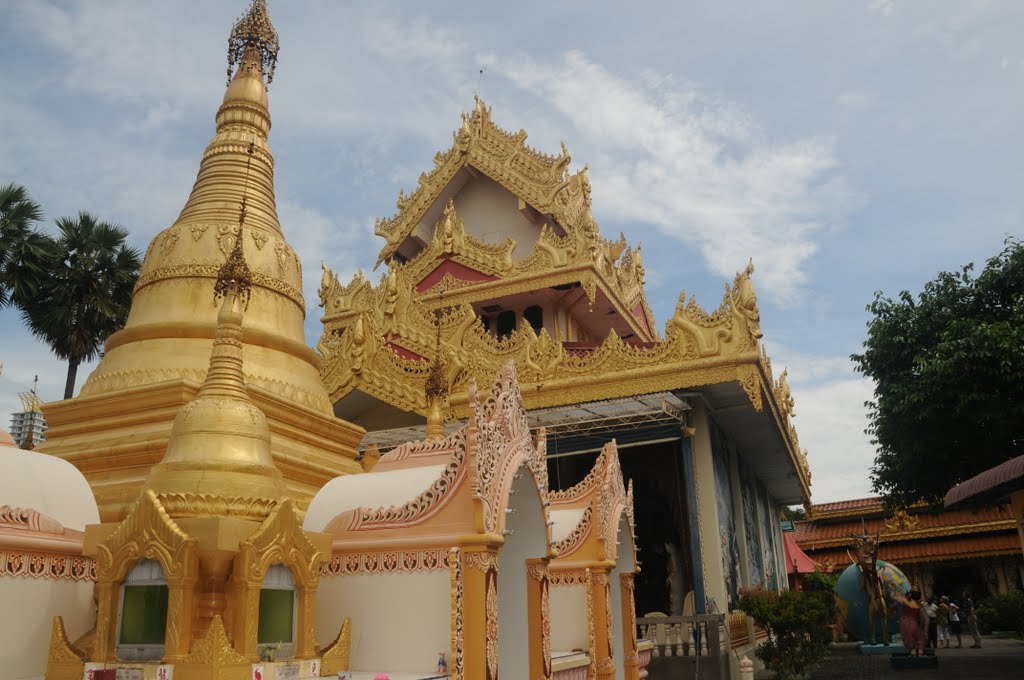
<point>846,146</point>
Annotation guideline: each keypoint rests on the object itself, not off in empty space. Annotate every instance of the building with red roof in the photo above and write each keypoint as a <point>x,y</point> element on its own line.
<point>940,551</point>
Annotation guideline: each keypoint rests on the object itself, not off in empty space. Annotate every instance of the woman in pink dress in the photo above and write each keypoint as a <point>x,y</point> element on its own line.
<point>914,636</point>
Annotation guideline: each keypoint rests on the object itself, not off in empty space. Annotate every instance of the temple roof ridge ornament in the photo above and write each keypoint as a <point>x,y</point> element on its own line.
<point>254,31</point>
<point>540,179</point>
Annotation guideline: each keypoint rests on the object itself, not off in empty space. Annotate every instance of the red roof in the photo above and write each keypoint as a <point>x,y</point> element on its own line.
<point>808,531</point>
<point>953,547</point>
<point>990,485</point>
<point>846,505</point>
<point>797,561</point>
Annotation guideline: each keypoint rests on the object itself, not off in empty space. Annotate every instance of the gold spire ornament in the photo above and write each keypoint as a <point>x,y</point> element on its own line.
<point>436,388</point>
<point>254,31</point>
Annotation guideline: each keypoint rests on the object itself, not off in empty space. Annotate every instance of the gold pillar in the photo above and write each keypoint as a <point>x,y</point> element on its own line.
<point>539,618</point>
<point>178,638</point>
<point>305,640</point>
<point>630,658</point>
<point>106,606</point>
<point>480,614</point>
<point>604,637</point>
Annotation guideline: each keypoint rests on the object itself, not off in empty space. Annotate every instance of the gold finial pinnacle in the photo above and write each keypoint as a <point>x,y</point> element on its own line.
<point>254,30</point>
<point>436,386</point>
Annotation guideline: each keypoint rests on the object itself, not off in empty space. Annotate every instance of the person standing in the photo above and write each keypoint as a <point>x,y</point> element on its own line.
<point>967,608</point>
<point>911,628</point>
<point>954,622</point>
<point>931,610</point>
<point>942,622</point>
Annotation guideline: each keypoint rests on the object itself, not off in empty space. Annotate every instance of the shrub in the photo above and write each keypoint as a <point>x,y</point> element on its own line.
<point>797,623</point>
<point>1002,612</point>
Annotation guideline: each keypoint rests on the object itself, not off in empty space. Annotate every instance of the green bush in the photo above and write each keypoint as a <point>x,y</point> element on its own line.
<point>1002,612</point>
<point>797,623</point>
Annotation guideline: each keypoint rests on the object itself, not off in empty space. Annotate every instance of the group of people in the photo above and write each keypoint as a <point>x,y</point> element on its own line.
<point>932,623</point>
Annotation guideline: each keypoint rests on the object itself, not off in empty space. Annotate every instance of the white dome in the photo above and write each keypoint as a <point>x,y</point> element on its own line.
<point>48,485</point>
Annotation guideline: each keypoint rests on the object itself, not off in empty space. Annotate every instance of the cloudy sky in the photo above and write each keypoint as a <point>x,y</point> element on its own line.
<point>846,146</point>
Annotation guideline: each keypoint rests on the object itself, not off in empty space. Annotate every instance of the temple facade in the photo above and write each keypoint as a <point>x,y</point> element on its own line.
<point>238,505</point>
<point>496,256</point>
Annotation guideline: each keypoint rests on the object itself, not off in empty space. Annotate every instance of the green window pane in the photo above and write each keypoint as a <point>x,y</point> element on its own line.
<point>277,607</point>
<point>144,615</point>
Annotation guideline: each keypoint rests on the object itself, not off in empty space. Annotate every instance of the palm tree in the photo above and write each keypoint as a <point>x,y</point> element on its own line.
<point>87,291</point>
<point>23,250</point>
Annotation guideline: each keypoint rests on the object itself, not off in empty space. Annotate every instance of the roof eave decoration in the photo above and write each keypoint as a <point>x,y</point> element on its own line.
<point>483,457</point>
<point>604,498</point>
<point>542,180</point>
<point>371,332</point>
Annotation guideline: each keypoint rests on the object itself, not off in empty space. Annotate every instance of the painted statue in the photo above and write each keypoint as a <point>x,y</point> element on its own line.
<point>866,560</point>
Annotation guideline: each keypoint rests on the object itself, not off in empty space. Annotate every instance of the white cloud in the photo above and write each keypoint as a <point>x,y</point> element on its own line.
<point>665,153</point>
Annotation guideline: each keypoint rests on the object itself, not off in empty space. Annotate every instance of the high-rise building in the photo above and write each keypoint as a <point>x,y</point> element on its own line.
<point>28,426</point>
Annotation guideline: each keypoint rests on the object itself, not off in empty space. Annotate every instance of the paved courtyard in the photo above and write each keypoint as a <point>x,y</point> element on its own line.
<point>998,659</point>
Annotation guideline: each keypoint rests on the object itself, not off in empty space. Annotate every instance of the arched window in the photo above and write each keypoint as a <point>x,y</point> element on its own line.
<point>276,629</point>
<point>535,317</point>
<point>143,613</point>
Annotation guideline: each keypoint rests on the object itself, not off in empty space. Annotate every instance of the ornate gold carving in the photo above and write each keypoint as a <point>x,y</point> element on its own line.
<point>385,562</point>
<point>429,502</point>
<point>197,232</point>
<point>491,608</point>
<point>335,657</point>
<point>253,33</point>
<point>61,650</point>
<point>43,565</point>
<point>580,532</point>
<point>591,623</point>
<point>481,560</point>
<point>168,241</point>
<point>545,625</point>
<point>457,666</point>
<point>211,271</point>
<point>205,505</point>
<point>214,650</point>
<point>567,577</point>
<point>259,238</point>
<point>149,532</point>
<point>30,519</point>
<point>901,521</point>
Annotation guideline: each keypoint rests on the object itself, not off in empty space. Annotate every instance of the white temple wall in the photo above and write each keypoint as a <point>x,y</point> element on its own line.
<point>491,214</point>
<point>567,606</point>
<point>527,540</point>
<point>29,605</point>
<point>400,622</point>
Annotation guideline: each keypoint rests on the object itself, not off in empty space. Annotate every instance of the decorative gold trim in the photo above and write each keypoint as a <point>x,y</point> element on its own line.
<point>491,609</point>
<point>210,271</point>
<point>385,562</point>
<point>457,656</point>
<point>567,577</point>
<point>214,652</point>
<point>481,560</point>
<point>335,657</point>
<point>30,519</point>
<point>43,565</point>
<point>582,529</point>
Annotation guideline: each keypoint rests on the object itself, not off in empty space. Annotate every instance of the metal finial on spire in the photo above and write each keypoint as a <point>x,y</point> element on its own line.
<point>254,30</point>
<point>235,272</point>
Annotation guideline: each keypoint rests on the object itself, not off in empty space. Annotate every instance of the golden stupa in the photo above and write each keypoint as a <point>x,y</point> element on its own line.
<point>119,426</point>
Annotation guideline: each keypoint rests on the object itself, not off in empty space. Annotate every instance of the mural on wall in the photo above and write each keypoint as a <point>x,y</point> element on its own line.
<point>748,486</point>
<point>769,526</point>
<point>726,523</point>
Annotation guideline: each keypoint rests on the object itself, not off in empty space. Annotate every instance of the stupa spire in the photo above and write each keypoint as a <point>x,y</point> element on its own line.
<point>254,33</point>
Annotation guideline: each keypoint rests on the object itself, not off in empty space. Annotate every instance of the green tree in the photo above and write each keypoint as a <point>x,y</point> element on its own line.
<point>23,249</point>
<point>948,368</point>
<point>86,293</point>
<point>797,623</point>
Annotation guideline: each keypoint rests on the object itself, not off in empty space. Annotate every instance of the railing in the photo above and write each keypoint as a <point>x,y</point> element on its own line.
<point>692,646</point>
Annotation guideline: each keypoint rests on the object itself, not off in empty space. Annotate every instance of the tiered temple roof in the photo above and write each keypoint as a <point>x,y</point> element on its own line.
<point>597,340</point>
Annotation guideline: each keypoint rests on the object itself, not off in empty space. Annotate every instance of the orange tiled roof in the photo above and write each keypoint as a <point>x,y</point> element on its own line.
<point>935,550</point>
<point>846,505</point>
<point>992,518</point>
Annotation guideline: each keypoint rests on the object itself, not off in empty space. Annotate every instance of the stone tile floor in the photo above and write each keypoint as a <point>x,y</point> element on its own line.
<point>998,659</point>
